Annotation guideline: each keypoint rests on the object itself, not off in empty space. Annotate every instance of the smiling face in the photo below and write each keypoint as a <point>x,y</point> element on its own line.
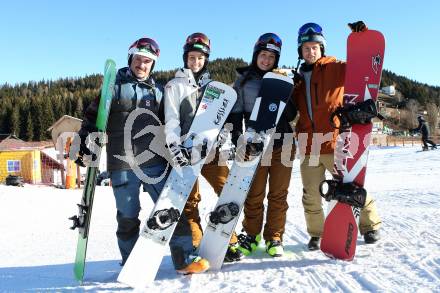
<point>311,52</point>
<point>266,60</point>
<point>141,66</point>
<point>196,61</point>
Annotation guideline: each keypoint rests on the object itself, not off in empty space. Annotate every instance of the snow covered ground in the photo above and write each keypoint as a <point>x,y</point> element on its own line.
<point>37,249</point>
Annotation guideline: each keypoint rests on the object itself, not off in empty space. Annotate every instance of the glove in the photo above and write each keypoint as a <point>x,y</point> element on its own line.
<point>254,148</point>
<point>358,26</point>
<point>253,145</point>
<point>180,155</point>
<point>83,150</point>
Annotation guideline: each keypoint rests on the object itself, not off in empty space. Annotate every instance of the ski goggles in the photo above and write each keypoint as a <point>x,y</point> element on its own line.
<point>270,41</point>
<point>310,28</point>
<point>146,44</point>
<point>198,38</point>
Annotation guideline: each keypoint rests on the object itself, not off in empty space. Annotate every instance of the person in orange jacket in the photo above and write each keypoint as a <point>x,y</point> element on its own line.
<point>319,90</point>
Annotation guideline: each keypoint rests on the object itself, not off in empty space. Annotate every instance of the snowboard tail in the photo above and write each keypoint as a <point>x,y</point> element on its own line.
<point>83,219</point>
<point>365,53</point>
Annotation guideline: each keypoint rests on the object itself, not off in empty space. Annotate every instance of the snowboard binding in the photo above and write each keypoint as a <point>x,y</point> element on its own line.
<point>360,113</point>
<point>79,221</point>
<point>162,219</point>
<point>224,213</point>
<point>349,193</point>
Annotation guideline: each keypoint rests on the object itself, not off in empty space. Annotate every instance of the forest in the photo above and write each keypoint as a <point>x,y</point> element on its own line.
<point>29,109</point>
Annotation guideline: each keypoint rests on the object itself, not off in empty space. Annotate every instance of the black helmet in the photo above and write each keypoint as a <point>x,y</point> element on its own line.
<point>197,42</point>
<point>311,32</point>
<point>269,42</point>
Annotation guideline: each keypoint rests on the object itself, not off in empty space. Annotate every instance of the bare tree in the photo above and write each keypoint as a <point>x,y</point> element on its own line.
<point>433,113</point>
<point>410,119</point>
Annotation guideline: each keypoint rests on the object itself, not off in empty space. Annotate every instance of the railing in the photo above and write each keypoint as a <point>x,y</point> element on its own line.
<point>390,140</point>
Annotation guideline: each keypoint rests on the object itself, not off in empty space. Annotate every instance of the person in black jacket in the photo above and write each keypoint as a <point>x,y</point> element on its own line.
<point>272,172</point>
<point>423,128</point>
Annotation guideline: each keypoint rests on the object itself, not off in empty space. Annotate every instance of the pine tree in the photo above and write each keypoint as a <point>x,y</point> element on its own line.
<point>15,121</point>
<point>29,128</point>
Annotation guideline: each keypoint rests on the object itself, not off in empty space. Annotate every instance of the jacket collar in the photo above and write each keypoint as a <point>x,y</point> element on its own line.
<point>187,74</point>
<point>125,75</point>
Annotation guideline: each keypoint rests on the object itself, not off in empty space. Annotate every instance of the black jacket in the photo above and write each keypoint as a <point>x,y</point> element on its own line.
<point>131,99</point>
<point>422,128</point>
<point>247,86</point>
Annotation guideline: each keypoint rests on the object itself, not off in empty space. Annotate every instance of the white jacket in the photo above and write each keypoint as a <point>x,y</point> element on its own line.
<point>182,96</point>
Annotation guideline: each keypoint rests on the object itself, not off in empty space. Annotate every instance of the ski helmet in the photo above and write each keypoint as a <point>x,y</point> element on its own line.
<point>197,42</point>
<point>269,42</point>
<point>311,32</point>
<point>146,47</point>
<point>420,118</point>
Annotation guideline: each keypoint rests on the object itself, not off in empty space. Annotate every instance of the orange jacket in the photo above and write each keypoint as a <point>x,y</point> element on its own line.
<point>326,90</point>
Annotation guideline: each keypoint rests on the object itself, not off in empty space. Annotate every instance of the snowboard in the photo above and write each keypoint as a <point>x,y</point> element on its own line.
<point>429,149</point>
<point>275,90</point>
<point>365,54</point>
<point>82,220</point>
<point>144,260</point>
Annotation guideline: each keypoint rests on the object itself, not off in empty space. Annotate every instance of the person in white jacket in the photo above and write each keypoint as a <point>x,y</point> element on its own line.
<point>181,98</point>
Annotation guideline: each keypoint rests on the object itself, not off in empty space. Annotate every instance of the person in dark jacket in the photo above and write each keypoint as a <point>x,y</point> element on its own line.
<point>133,160</point>
<point>423,128</point>
<point>247,85</point>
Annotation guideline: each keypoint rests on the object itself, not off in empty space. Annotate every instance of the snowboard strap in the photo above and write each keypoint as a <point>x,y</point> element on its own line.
<point>224,213</point>
<point>349,193</point>
<point>162,219</point>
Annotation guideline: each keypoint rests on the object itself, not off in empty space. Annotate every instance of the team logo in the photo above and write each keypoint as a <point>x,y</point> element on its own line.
<point>376,62</point>
<point>212,92</point>
<point>273,107</point>
<point>350,98</point>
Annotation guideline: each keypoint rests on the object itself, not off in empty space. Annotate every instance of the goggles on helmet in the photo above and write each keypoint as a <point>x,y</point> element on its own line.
<point>269,41</point>
<point>146,47</point>
<point>198,38</point>
<point>310,28</point>
<point>197,42</point>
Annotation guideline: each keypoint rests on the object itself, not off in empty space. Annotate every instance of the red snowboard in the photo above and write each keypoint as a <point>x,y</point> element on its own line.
<point>365,53</point>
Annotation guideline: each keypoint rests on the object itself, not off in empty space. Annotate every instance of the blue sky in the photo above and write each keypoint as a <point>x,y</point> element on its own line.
<point>51,39</point>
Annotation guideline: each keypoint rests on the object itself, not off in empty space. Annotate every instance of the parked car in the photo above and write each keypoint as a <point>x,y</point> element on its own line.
<point>14,180</point>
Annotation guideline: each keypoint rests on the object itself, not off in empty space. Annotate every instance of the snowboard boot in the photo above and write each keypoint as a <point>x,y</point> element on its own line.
<point>198,265</point>
<point>314,243</point>
<point>233,253</point>
<point>371,236</point>
<point>248,244</point>
<point>274,248</point>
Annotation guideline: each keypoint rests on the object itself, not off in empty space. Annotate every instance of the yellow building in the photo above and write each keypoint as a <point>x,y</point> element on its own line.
<point>26,159</point>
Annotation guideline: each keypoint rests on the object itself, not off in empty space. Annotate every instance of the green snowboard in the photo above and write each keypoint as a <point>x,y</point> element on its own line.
<point>82,220</point>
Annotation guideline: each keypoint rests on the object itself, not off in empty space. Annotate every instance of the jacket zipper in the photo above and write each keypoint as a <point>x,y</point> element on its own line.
<point>316,93</point>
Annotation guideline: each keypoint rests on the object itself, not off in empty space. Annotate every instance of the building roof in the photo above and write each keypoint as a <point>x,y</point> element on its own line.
<point>13,143</point>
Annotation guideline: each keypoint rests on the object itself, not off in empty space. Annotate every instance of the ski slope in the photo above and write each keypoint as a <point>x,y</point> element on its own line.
<point>37,249</point>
